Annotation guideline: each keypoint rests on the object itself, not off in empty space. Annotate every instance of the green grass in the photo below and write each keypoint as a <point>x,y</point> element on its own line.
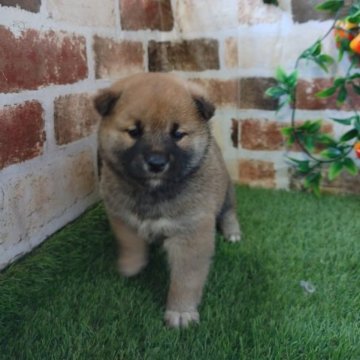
<point>66,300</point>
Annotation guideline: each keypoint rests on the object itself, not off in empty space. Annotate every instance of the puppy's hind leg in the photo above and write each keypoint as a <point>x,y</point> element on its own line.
<point>227,220</point>
<point>133,255</point>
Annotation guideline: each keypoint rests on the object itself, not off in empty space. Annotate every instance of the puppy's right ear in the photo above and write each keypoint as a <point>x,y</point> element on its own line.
<point>105,101</point>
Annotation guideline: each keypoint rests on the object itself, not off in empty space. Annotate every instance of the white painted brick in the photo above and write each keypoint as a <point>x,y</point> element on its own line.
<point>205,15</point>
<point>251,12</point>
<point>259,51</point>
<point>37,203</point>
<point>83,12</point>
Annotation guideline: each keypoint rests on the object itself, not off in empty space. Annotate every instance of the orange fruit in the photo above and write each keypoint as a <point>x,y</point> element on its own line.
<point>357,149</point>
<point>355,44</point>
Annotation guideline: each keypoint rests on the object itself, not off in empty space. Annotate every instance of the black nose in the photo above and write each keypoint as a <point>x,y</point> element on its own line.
<point>156,162</point>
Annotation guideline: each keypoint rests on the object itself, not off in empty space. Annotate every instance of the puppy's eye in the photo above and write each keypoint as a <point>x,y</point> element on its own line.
<point>176,134</point>
<point>135,132</point>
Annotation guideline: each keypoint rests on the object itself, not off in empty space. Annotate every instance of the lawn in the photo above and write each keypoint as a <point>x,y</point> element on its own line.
<point>66,300</point>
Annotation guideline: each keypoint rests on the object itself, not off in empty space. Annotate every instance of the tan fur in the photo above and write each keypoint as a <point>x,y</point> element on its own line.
<point>185,222</point>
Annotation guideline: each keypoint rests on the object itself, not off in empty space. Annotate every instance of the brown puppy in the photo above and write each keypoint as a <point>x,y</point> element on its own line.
<point>163,178</point>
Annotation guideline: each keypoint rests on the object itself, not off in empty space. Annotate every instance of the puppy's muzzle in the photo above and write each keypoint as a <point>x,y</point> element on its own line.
<point>156,162</point>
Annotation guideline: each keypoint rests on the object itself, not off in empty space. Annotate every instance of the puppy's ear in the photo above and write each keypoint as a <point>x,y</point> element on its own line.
<point>205,108</point>
<point>105,101</point>
<point>203,105</point>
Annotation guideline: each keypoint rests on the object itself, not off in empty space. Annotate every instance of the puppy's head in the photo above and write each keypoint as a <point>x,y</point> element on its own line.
<point>154,129</point>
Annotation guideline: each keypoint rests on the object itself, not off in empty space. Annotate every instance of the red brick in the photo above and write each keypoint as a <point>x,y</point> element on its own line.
<point>304,11</point>
<point>344,184</point>
<point>187,55</point>
<point>22,134</point>
<point>29,5</point>
<point>222,92</point>
<point>74,118</point>
<point>40,58</point>
<point>146,14</point>
<point>257,173</point>
<point>244,93</point>
<point>306,99</point>
<point>252,94</point>
<point>116,59</point>
<point>261,135</point>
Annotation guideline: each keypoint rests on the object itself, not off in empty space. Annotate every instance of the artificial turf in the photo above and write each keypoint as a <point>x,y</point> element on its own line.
<point>66,300</point>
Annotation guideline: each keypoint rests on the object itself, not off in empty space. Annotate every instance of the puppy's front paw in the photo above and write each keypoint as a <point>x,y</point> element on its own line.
<point>177,319</point>
<point>233,237</point>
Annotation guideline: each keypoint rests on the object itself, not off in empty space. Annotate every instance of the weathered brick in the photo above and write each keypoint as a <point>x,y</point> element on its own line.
<point>261,135</point>
<point>344,184</point>
<point>251,12</point>
<point>29,5</point>
<point>231,53</point>
<point>40,58</point>
<point>252,94</point>
<point>304,11</point>
<point>221,92</point>
<point>187,55</point>
<point>244,93</point>
<point>40,201</point>
<point>74,118</point>
<point>117,59</point>
<point>306,99</point>
<point>261,52</point>
<point>22,134</point>
<point>209,15</point>
<point>146,14</point>
<point>83,12</point>
<point>257,173</point>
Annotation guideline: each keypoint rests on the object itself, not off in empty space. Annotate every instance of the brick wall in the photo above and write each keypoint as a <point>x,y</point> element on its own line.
<point>55,54</point>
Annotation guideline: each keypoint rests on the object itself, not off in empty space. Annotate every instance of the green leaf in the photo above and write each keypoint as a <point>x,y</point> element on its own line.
<point>292,79</point>
<point>355,76</point>
<point>313,50</point>
<point>340,81</point>
<point>280,75</point>
<point>303,166</point>
<point>353,133</point>
<point>287,131</point>
<point>342,95</point>
<point>326,59</point>
<point>312,182</point>
<point>354,18</point>
<point>314,126</point>
<point>275,92</point>
<point>335,170</point>
<point>330,5</point>
<point>347,121</point>
<point>326,92</point>
<point>309,143</point>
<point>325,139</point>
<point>350,166</point>
<point>331,153</point>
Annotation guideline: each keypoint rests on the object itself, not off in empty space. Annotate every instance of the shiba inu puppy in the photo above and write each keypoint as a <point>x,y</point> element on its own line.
<point>164,179</point>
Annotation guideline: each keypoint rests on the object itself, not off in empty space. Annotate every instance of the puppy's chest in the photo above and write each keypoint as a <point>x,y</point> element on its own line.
<point>153,229</point>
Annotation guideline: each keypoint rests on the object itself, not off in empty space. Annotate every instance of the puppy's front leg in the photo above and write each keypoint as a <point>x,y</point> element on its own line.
<point>133,249</point>
<point>189,259</point>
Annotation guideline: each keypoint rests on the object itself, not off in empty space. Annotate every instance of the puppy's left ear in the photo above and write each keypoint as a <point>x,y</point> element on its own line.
<point>205,108</point>
<point>105,101</point>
